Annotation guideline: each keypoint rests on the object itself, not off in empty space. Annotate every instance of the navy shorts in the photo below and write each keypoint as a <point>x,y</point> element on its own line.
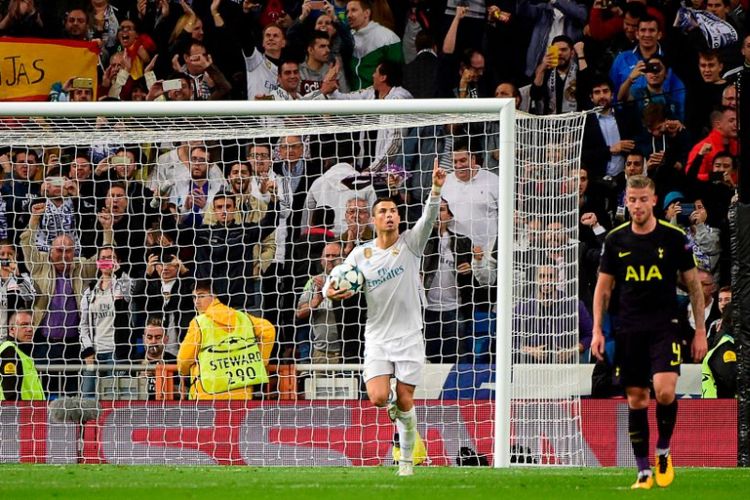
<point>641,354</point>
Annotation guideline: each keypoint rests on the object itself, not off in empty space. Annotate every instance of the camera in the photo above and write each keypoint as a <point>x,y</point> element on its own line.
<point>683,218</point>
<point>652,68</point>
<point>4,262</point>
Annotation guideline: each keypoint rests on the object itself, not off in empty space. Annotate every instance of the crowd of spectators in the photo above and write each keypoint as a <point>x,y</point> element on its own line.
<point>105,243</point>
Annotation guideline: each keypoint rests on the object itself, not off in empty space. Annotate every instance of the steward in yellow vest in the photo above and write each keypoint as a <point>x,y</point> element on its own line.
<point>719,367</point>
<point>225,351</point>
<point>19,380</point>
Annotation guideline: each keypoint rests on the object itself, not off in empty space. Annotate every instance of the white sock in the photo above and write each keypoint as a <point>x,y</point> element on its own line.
<point>406,423</point>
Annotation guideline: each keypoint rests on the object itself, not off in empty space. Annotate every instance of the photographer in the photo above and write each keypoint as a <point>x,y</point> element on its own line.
<point>656,73</point>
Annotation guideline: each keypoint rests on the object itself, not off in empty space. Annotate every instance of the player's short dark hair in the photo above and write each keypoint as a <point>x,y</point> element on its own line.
<point>392,72</point>
<point>598,80</point>
<point>635,9</point>
<point>563,38</point>
<point>317,35</point>
<point>205,285</point>
<point>424,40</point>
<point>640,182</point>
<point>649,19</point>
<point>384,199</point>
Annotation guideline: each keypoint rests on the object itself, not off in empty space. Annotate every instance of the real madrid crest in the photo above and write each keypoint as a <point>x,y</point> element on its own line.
<point>395,251</point>
<point>368,253</point>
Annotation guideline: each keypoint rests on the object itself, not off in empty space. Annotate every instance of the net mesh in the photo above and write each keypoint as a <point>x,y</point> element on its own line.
<point>110,222</point>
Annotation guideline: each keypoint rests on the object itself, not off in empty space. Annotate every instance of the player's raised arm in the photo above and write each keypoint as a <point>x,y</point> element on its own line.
<point>699,346</point>
<point>604,285</point>
<point>417,238</point>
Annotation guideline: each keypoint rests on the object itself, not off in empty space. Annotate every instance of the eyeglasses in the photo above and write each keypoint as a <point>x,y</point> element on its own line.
<point>260,156</point>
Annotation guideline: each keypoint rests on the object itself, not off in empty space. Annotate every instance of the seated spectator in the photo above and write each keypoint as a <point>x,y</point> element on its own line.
<point>59,278</point>
<point>545,332</point>
<point>225,351</point>
<point>323,315</point>
<point>155,353</point>
<point>19,380</point>
<point>358,227</point>
<point>16,288</point>
<point>165,292</point>
<point>106,336</point>
<point>447,280</point>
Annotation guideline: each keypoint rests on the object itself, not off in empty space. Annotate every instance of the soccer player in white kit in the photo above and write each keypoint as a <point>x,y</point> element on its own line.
<point>394,343</point>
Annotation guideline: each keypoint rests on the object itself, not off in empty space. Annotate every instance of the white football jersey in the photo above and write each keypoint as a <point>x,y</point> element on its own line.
<point>392,286</point>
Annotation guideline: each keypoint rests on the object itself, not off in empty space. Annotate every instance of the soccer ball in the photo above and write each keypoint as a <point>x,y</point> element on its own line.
<point>347,277</point>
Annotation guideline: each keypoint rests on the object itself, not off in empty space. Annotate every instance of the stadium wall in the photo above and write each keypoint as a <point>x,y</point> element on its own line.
<point>307,433</point>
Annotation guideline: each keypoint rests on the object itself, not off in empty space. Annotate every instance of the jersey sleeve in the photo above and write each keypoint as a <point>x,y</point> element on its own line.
<point>607,262</point>
<point>416,238</point>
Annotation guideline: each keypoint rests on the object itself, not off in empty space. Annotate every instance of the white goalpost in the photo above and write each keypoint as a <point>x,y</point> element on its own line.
<point>501,377</point>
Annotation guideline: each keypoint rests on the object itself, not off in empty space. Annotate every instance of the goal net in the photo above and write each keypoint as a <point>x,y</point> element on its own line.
<point>116,218</point>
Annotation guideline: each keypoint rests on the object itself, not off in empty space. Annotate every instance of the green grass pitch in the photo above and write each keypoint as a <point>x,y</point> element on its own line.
<point>107,482</point>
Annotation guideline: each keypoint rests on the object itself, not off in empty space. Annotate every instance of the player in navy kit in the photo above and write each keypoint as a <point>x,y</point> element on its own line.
<point>640,264</point>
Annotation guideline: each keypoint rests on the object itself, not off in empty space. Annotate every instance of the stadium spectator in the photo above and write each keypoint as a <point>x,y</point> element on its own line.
<point>563,17</point>
<point>59,277</point>
<point>245,343</point>
<point>106,336</point>
<point>225,251</point>
<point>711,314</point>
<point>555,79</point>
<point>19,380</point>
<point>723,137</point>
<point>329,190</point>
<point>104,26</point>
<point>373,43</point>
<point>61,208</point>
<point>468,65</point>
<point>472,193</point>
<point>544,322</point>
<point>421,74</point>
<point>20,189</point>
<point>16,288</point>
<point>606,135</point>
<point>137,46</point>
<point>76,24</point>
<point>174,166</point>
<point>208,81</point>
<point>191,196</point>
<point>447,280</point>
<point>706,92</point>
<point>289,83</point>
<point>262,67</point>
<point>316,65</point>
<point>155,353</point>
<point>185,92</point>
<point>23,18</point>
<point>165,291</point>
<point>654,92</point>
<point>358,228</point>
<point>322,313</point>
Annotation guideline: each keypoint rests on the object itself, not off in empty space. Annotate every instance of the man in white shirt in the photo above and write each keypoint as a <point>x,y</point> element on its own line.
<point>262,70</point>
<point>472,194</point>
<point>191,196</point>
